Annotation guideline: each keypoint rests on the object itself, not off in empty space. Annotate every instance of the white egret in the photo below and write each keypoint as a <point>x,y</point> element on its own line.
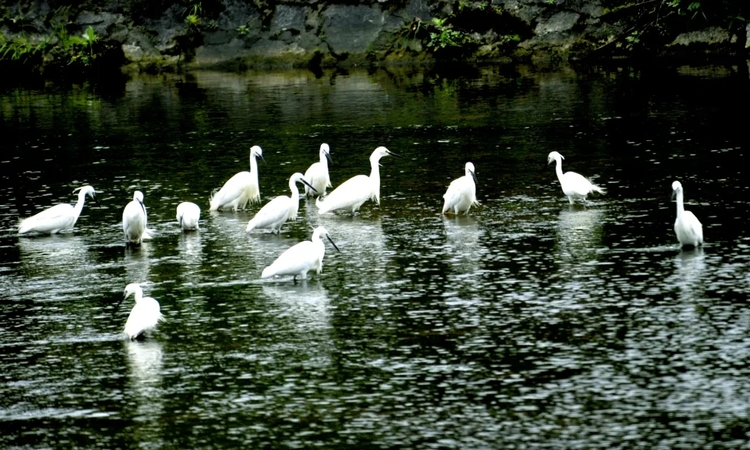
<point>687,227</point>
<point>317,173</point>
<point>274,213</point>
<point>352,193</point>
<point>134,220</point>
<point>145,314</point>
<point>462,193</point>
<point>302,257</point>
<point>241,188</point>
<point>57,218</point>
<point>188,215</point>
<point>574,185</point>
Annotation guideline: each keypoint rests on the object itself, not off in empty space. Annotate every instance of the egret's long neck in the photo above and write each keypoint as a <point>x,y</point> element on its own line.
<point>558,169</point>
<point>295,200</point>
<point>375,179</point>
<point>79,206</point>
<point>138,295</point>
<point>318,241</point>
<point>680,204</point>
<point>324,160</point>
<point>253,168</point>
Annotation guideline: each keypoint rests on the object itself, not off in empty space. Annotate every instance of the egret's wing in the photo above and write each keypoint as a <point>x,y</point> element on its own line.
<point>312,172</point>
<point>295,259</point>
<point>133,219</point>
<point>144,315</point>
<point>577,183</point>
<point>357,189</point>
<point>452,195</point>
<point>271,212</point>
<point>694,225</point>
<point>232,190</point>
<point>55,218</point>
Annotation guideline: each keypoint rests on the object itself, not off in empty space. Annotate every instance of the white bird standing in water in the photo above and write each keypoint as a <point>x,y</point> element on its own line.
<point>352,193</point>
<point>462,193</point>
<point>274,213</point>
<point>134,220</point>
<point>145,314</point>
<point>574,185</point>
<point>317,173</point>
<point>188,215</point>
<point>241,188</point>
<point>57,218</point>
<point>302,257</point>
<point>687,227</point>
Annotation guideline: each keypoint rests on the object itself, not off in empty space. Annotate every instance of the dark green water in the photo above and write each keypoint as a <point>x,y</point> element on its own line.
<point>528,324</point>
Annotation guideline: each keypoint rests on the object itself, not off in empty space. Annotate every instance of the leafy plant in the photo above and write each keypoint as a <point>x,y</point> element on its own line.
<point>20,48</point>
<point>242,30</point>
<point>632,40</point>
<point>193,20</point>
<point>444,35</point>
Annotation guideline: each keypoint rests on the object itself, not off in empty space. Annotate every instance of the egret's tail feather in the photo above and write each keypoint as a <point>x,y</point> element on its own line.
<point>598,189</point>
<point>23,226</point>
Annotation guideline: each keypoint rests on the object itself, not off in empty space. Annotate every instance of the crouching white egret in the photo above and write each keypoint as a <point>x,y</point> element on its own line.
<point>57,218</point>
<point>574,185</point>
<point>317,173</point>
<point>241,188</point>
<point>274,213</point>
<point>145,314</point>
<point>134,220</point>
<point>462,193</point>
<point>302,257</point>
<point>188,215</point>
<point>687,227</point>
<point>352,193</point>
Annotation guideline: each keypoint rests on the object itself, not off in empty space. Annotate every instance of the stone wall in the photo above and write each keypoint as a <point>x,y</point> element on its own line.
<point>258,33</point>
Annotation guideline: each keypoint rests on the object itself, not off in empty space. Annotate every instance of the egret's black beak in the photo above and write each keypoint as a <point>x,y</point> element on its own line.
<point>262,159</point>
<point>328,157</point>
<point>117,307</point>
<point>474,176</point>
<point>333,243</point>
<point>674,195</point>
<point>308,184</point>
<point>394,154</point>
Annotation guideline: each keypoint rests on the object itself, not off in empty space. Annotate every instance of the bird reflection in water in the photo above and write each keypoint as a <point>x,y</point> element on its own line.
<point>579,234</point>
<point>360,240</point>
<point>462,242</point>
<point>63,251</point>
<point>190,248</point>
<point>145,376</point>
<point>53,265</point>
<point>138,263</point>
<point>690,265</point>
<point>302,312</point>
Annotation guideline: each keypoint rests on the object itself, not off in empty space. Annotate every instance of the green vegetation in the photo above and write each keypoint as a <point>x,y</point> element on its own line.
<point>56,50</point>
<point>444,35</point>
<point>651,24</point>
<point>242,30</point>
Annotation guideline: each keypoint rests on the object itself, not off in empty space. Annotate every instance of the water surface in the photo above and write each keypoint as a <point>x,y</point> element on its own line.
<point>529,323</point>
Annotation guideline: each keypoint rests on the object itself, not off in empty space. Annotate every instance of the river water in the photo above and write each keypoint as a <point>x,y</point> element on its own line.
<point>529,323</point>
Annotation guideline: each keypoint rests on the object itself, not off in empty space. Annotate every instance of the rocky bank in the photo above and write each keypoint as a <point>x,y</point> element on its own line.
<point>144,35</point>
